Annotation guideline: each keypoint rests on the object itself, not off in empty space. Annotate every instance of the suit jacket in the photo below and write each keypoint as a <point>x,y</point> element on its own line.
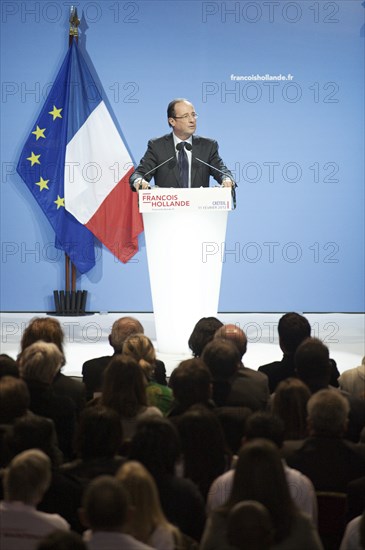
<point>161,149</point>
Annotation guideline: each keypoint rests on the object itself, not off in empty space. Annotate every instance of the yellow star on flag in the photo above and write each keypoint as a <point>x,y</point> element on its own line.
<point>56,113</point>
<point>39,133</point>
<point>34,159</point>
<point>60,202</point>
<point>43,184</point>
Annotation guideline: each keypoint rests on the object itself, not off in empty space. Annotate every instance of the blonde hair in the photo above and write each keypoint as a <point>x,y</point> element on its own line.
<point>144,498</point>
<point>41,362</point>
<point>27,477</point>
<point>140,348</point>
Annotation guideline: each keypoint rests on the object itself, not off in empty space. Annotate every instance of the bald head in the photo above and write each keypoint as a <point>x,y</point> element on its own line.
<point>236,335</point>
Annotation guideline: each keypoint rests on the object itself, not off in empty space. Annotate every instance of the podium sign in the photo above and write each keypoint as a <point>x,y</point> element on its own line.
<point>182,229</point>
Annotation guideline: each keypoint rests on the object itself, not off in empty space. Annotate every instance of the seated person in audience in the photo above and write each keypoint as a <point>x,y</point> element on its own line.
<point>266,426</point>
<point>62,540</point>
<point>63,495</point>
<point>92,370</point>
<point>355,498</point>
<point>25,481</point>
<point>204,451</point>
<point>147,522</point>
<point>105,513</point>
<point>202,334</point>
<point>156,445</point>
<point>140,348</point>
<point>260,476</point>
<point>354,536</point>
<point>289,402</point>
<point>313,368</point>
<point>8,366</point>
<point>124,391</point>
<point>353,381</point>
<point>97,443</point>
<point>39,363</point>
<point>191,384</point>
<point>233,383</point>
<point>249,526</point>
<point>48,329</point>
<point>245,383</point>
<point>329,460</point>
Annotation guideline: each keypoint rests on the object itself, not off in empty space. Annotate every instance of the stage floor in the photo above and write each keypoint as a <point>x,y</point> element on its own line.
<point>87,337</point>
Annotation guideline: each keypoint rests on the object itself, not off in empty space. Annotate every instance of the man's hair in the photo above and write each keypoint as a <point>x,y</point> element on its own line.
<point>293,329</point>
<point>105,503</point>
<point>14,398</point>
<point>312,363</point>
<point>328,412</point>
<point>40,362</point>
<point>171,107</point>
<point>234,334</point>
<point>203,333</point>
<point>47,329</point>
<point>27,477</point>
<point>99,433</point>
<point>222,358</point>
<point>264,425</point>
<point>191,383</point>
<point>121,329</point>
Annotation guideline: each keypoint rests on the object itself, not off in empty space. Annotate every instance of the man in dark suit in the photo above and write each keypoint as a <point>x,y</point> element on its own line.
<point>92,370</point>
<point>173,147</point>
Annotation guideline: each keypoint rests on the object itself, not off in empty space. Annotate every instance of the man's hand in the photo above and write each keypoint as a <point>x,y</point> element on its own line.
<point>141,184</point>
<point>227,183</point>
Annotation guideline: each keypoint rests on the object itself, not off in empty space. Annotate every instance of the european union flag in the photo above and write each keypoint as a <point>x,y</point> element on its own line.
<point>42,166</point>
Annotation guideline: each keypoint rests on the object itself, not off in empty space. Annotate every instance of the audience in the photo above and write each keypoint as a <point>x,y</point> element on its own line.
<point>26,479</point>
<point>202,334</point>
<point>184,459</point>
<point>93,370</point>
<point>105,513</point>
<point>147,522</point>
<point>48,329</point>
<point>140,348</point>
<point>260,476</point>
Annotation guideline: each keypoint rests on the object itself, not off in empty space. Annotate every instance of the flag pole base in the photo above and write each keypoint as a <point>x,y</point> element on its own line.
<point>70,303</point>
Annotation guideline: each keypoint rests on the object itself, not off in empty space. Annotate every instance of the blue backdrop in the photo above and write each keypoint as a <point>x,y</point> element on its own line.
<point>295,143</point>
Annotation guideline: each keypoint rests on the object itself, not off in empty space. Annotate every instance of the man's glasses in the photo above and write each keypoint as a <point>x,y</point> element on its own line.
<point>188,115</point>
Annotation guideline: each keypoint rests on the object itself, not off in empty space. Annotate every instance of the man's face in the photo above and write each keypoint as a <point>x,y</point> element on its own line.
<point>184,122</point>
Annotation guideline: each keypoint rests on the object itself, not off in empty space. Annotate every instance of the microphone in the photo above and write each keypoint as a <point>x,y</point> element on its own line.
<point>189,147</point>
<point>159,165</point>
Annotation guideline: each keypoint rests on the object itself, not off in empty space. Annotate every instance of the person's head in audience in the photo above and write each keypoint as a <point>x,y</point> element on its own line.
<point>40,362</point>
<point>99,433</point>
<point>328,412</point>
<point>27,477</point>
<point>156,445</point>
<point>203,333</point>
<point>47,329</point>
<point>204,451</point>
<point>233,421</point>
<point>191,383</point>
<point>14,399</point>
<point>290,404</point>
<point>249,526</point>
<point>312,364</point>
<point>264,425</point>
<point>140,348</point>
<point>234,334</point>
<point>33,431</point>
<point>62,540</point>
<point>260,476</point>
<point>293,329</point>
<point>222,358</point>
<point>105,505</point>
<point>8,367</point>
<point>121,329</point>
<point>143,498</point>
<point>124,387</point>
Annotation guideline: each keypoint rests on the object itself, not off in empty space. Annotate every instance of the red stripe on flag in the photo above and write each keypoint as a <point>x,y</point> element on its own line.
<point>117,222</point>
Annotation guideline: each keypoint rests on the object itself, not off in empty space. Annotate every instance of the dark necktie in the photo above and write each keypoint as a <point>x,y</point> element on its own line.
<point>183,166</point>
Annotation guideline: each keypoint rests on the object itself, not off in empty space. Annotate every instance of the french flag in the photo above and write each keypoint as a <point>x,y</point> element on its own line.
<point>77,167</point>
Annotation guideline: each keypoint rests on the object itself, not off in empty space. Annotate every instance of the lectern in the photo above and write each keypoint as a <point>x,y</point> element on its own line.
<point>185,233</point>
